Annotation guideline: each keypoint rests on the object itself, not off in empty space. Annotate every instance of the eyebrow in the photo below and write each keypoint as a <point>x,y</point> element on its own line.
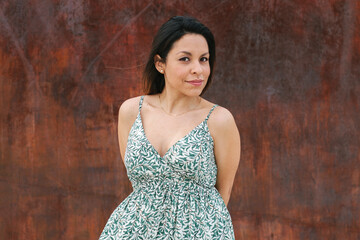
<point>188,53</point>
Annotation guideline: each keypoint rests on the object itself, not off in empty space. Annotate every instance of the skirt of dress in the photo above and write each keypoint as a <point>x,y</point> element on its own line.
<point>170,210</point>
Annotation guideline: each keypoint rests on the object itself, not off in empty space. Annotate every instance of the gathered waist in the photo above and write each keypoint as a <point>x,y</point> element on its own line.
<point>172,184</point>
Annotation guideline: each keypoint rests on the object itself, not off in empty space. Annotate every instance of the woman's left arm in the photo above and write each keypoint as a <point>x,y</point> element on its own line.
<point>227,148</point>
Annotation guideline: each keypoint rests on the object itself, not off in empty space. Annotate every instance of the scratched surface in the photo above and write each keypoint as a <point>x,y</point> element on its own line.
<point>288,70</point>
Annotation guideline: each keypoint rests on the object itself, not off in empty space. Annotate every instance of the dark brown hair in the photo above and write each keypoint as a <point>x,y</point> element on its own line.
<point>168,34</point>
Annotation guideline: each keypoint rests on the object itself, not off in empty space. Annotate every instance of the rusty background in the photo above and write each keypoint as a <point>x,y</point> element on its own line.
<point>289,71</point>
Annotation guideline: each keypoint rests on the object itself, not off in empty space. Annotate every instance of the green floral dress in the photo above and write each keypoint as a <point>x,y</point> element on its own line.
<point>174,196</point>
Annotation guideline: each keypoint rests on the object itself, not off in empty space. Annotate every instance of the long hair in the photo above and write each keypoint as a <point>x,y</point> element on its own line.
<point>168,34</point>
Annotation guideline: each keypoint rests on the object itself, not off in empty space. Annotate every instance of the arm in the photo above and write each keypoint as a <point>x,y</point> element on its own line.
<point>127,115</point>
<point>227,147</point>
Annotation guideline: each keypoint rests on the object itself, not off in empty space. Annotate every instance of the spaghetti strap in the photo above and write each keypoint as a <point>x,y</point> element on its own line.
<point>212,109</point>
<point>141,102</point>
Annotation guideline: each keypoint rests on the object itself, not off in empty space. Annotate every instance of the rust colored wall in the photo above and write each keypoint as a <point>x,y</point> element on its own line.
<point>288,70</point>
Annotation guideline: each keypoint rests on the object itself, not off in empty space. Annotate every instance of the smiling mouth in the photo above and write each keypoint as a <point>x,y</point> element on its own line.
<point>196,82</point>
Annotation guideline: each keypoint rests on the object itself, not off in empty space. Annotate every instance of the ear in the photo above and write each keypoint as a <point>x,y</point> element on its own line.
<point>159,63</point>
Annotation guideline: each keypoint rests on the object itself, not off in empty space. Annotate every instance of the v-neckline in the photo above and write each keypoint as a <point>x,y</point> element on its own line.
<point>181,139</point>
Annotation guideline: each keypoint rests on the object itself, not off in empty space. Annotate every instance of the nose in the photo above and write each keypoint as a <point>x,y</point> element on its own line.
<point>196,68</point>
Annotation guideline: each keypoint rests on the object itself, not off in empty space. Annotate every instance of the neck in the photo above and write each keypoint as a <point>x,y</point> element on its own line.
<point>177,104</point>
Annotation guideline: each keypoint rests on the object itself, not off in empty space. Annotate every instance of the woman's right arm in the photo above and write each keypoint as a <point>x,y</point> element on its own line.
<point>127,114</point>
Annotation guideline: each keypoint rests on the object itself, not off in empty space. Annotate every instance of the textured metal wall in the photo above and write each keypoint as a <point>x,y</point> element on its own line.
<point>288,70</point>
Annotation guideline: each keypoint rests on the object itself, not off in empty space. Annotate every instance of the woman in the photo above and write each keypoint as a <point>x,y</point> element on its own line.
<point>181,151</point>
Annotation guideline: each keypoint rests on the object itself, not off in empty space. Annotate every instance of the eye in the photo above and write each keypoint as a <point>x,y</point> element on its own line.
<point>204,59</point>
<point>185,59</point>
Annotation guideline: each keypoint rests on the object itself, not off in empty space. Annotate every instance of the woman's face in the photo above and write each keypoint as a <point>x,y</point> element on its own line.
<point>187,68</point>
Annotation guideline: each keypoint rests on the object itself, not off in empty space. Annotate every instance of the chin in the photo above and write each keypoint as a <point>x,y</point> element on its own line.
<point>194,92</point>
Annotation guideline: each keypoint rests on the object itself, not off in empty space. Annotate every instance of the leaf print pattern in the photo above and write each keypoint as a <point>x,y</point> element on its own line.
<point>174,196</point>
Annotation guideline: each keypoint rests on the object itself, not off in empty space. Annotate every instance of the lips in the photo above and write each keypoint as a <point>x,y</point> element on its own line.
<point>196,82</point>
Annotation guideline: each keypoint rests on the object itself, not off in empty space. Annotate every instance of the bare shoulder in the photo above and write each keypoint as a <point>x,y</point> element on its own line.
<point>221,121</point>
<point>129,109</point>
<point>221,116</point>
